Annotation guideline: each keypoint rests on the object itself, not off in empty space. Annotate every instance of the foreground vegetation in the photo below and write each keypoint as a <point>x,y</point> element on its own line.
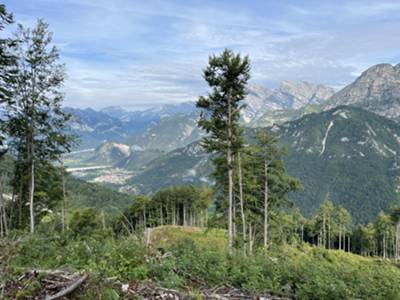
<point>193,259</point>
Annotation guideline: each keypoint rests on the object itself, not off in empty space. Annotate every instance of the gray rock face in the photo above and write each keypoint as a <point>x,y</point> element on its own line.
<point>256,103</point>
<point>377,89</point>
<point>290,95</point>
<point>294,95</point>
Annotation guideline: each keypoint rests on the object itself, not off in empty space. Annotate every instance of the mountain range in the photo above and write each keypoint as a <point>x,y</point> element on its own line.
<point>119,125</point>
<point>342,146</point>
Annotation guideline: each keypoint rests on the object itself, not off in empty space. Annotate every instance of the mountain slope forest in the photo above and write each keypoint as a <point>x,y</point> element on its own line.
<point>247,193</point>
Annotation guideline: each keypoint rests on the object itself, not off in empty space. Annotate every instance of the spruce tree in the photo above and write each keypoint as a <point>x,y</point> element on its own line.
<point>227,76</point>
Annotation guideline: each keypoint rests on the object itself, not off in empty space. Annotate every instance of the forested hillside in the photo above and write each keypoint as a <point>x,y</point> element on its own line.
<point>346,155</point>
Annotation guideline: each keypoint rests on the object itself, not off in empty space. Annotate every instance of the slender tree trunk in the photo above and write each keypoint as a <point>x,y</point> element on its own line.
<point>266,204</point>
<point>250,239</point>
<point>64,209</point>
<point>230,178</point>
<point>398,241</point>
<point>384,245</point>
<point>241,197</point>
<point>323,231</point>
<point>230,200</point>
<point>344,240</point>
<point>161,216</point>
<point>31,193</point>
<point>20,202</point>
<point>184,215</point>
<point>234,216</point>
<point>3,214</point>
<point>302,233</point>
<point>144,217</point>
<point>11,214</point>
<point>329,233</point>
<point>340,237</point>
<point>348,244</point>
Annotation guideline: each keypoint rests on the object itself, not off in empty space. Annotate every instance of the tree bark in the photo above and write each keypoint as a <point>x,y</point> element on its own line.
<point>20,200</point>
<point>3,214</point>
<point>344,240</point>
<point>31,193</point>
<point>384,246</point>
<point>266,204</point>
<point>302,233</point>
<point>348,244</point>
<point>397,240</point>
<point>329,233</point>
<point>241,197</point>
<point>184,215</point>
<point>161,216</point>
<point>144,217</point>
<point>250,239</point>
<point>323,231</point>
<point>174,215</point>
<point>68,289</point>
<point>64,209</point>
<point>230,178</point>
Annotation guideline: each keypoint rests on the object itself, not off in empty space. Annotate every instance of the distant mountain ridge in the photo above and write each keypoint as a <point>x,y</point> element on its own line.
<point>377,90</point>
<point>343,146</point>
<point>347,155</point>
<point>117,124</point>
<point>288,96</point>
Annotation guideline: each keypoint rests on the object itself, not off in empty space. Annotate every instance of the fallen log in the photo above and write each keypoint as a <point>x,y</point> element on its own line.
<point>68,289</point>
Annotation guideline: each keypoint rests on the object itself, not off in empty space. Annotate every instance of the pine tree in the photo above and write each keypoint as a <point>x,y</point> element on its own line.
<point>35,120</point>
<point>227,76</point>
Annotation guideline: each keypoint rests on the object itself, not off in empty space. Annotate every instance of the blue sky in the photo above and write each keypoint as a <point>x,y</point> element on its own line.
<point>139,54</point>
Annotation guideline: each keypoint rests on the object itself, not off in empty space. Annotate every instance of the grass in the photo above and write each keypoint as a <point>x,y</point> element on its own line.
<point>197,258</point>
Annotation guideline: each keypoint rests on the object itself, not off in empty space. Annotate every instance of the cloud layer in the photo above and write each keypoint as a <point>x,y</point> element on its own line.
<point>143,53</point>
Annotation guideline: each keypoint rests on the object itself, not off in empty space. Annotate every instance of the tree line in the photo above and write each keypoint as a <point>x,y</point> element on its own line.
<point>180,205</point>
<point>251,180</point>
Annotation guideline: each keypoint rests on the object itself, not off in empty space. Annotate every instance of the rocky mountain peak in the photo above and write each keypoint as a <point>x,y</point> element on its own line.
<point>377,89</point>
<point>289,95</point>
<point>298,94</point>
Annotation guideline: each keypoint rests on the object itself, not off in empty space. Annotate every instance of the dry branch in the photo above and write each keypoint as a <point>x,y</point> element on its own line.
<point>68,289</point>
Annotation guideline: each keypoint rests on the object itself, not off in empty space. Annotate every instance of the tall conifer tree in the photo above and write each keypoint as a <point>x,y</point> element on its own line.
<point>227,75</point>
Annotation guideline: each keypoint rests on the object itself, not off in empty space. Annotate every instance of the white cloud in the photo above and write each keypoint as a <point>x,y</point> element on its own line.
<point>140,53</point>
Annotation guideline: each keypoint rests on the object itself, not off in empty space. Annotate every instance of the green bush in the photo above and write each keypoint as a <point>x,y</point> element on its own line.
<point>84,221</point>
<point>307,272</point>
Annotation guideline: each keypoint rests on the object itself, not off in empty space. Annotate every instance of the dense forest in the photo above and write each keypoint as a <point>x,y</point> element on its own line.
<point>237,238</point>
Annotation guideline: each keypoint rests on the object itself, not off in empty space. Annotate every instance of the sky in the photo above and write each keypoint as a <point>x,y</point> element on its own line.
<point>139,54</point>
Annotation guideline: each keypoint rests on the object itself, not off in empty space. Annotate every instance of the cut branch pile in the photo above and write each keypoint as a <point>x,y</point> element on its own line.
<point>151,290</point>
<point>44,284</point>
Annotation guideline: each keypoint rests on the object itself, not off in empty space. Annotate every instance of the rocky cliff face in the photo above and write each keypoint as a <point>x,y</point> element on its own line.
<point>377,89</point>
<point>289,96</point>
<point>293,95</point>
